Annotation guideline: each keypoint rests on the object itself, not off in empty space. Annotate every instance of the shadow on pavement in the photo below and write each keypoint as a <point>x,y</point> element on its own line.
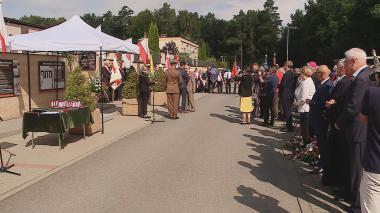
<point>52,140</point>
<point>161,113</point>
<point>257,201</point>
<point>269,157</point>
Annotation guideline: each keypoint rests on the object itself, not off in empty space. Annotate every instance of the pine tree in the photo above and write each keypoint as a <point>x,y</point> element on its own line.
<point>154,41</point>
<point>202,52</point>
<point>130,89</point>
<point>78,89</point>
<point>159,78</point>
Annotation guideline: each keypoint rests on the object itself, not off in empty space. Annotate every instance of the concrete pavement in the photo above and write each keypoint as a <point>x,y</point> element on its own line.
<point>203,162</point>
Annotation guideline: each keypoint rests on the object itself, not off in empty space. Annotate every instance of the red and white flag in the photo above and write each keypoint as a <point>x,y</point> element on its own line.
<point>116,78</point>
<point>3,31</point>
<point>144,50</point>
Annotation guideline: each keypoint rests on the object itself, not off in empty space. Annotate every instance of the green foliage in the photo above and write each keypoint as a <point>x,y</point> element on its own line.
<point>171,47</point>
<point>92,19</point>
<point>140,24</point>
<point>130,89</point>
<point>202,52</point>
<point>41,21</point>
<point>78,89</point>
<point>327,28</point>
<point>154,41</point>
<point>166,18</point>
<point>159,78</point>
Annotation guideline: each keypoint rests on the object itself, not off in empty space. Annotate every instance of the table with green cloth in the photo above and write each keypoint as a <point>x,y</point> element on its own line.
<point>55,121</point>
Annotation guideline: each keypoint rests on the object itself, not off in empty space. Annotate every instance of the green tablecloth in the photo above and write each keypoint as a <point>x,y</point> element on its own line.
<point>55,121</point>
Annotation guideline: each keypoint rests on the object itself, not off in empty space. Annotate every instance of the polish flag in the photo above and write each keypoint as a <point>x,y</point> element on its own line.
<point>116,78</point>
<point>3,32</point>
<point>144,50</point>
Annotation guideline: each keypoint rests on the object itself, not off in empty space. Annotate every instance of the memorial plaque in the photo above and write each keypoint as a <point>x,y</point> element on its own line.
<point>48,75</point>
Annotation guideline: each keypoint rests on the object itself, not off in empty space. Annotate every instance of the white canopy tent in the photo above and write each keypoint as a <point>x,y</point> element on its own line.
<point>72,35</point>
<point>133,47</point>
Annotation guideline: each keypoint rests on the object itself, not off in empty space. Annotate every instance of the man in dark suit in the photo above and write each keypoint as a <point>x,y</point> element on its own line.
<point>317,113</point>
<point>144,92</point>
<point>172,82</point>
<point>270,86</point>
<point>337,169</point>
<point>183,86</point>
<point>106,72</point>
<point>355,64</point>
<point>287,88</point>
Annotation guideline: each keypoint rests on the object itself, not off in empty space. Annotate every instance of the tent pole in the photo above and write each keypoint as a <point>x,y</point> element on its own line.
<point>101,90</point>
<point>29,84</point>
<point>56,78</point>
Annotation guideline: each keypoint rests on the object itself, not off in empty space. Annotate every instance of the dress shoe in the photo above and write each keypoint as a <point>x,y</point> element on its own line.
<point>176,118</point>
<point>264,124</point>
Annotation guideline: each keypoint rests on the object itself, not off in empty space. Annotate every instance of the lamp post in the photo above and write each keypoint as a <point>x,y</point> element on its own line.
<point>287,42</point>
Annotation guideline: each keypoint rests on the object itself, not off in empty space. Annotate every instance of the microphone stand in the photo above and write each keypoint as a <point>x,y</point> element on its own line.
<point>5,168</point>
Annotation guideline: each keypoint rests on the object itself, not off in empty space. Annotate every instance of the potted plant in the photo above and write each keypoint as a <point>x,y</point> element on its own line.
<point>160,98</point>
<point>78,89</point>
<point>130,94</point>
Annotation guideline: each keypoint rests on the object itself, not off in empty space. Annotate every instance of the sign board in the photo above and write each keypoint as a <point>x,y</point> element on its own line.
<point>48,75</point>
<point>6,78</point>
<point>87,61</point>
<point>16,78</point>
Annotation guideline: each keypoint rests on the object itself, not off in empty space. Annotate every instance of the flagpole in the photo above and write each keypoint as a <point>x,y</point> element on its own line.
<point>29,85</point>
<point>101,91</point>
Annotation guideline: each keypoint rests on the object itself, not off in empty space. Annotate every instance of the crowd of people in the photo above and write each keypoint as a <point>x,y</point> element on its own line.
<point>338,110</point>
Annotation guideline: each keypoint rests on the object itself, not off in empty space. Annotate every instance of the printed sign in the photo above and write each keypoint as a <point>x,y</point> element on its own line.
<point>87,61</point>
<point>6,78</point>
<point>49,78</point>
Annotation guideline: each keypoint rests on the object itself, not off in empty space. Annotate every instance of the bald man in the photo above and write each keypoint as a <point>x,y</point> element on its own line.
<point>318,119</point>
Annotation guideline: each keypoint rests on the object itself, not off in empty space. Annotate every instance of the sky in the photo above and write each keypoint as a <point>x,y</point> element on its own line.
<point>67,8</point>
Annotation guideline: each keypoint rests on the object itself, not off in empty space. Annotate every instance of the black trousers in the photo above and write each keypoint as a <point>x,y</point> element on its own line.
<point>268,108</point>
<point>320,127</point>
<point>336,172</point>
<point>143,104</point>
<point>235,87</point>
<point>219,85</point>
<point>183,98</point>
<point>355,153</point>
<point>287,104</point>
<point>228,86</point>
<point>304,123</point>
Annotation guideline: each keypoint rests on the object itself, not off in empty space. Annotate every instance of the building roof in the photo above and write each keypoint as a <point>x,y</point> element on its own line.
<point>18,22</point>
<point>171,37</point>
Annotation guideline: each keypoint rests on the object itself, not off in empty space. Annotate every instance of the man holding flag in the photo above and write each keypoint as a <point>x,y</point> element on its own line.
<point>116,79</point>
<point>233,75</point>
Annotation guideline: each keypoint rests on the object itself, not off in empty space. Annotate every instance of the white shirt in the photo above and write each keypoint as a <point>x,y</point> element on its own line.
<point>304,91</point>
<point>227,75</point>
<point>358,71</point>
<point>338,79</point>
<point>324,81</point>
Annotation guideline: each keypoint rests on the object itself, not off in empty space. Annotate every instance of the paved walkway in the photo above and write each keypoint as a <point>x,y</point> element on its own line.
<point>204,162</point>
